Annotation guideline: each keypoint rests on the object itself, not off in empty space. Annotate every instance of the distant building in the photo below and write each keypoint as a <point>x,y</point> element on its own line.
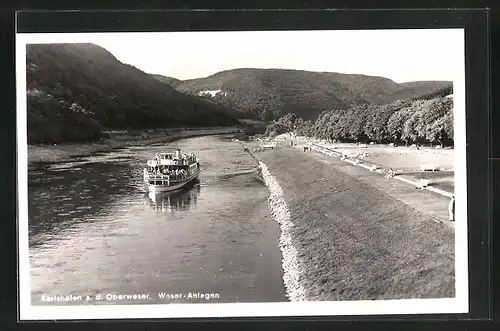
<point>212,93</point>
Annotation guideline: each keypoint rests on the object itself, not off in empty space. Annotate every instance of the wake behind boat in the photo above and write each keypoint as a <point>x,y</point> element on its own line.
<point>171,171</point>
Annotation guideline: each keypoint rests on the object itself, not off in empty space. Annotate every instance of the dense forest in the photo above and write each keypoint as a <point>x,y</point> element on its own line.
<point>75,91</point>
<point>427,120</point>
<point>268,94</point>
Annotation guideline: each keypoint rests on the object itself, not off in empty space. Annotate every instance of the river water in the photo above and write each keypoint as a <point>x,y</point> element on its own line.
<point>94,230</point>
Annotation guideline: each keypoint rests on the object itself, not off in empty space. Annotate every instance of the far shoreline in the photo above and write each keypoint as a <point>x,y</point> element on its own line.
<point>39,154</point>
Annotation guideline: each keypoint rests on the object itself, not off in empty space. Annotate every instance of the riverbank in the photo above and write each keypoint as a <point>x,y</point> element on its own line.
<point>63,152</point>
<point>348,240</point>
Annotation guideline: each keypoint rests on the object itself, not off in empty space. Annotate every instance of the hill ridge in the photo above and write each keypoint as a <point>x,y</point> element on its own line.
<point>77,90</point>
<point>270,93</point>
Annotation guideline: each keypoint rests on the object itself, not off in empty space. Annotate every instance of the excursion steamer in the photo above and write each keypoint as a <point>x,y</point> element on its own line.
<point>171,171</point>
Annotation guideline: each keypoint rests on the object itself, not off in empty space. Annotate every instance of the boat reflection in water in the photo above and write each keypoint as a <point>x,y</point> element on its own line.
<point>180,200</point>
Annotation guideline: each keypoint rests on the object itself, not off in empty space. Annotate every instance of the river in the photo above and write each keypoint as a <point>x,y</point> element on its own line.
<point>95,230</point>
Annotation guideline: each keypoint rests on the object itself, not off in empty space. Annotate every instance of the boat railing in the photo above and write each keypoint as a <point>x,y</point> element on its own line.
<point>154,176</point>
<point>168,177</point>
<point>167,162</point>
<point>160,162</point>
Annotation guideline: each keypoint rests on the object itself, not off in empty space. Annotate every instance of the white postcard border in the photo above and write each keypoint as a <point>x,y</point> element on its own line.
<point>459,304</point>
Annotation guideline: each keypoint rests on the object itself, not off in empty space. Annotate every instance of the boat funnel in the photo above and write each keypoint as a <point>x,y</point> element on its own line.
<point>177,153</point>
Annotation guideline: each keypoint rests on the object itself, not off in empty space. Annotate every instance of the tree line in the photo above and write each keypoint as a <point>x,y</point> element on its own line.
<point>409,121</point>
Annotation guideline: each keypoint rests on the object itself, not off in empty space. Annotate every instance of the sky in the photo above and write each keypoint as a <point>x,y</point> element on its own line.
<point>401,55</point>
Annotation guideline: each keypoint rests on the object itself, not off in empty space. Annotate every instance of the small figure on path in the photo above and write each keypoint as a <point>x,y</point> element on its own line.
<point>451,209</point>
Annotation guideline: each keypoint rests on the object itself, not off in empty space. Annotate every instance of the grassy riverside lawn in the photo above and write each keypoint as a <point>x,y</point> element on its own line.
<point>405,160</point>
<point>356,242</point>
<point>427,202</point>
<point>63,152</point>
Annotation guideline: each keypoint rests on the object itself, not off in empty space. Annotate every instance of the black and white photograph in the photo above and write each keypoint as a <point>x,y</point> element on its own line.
<point>241,173</point>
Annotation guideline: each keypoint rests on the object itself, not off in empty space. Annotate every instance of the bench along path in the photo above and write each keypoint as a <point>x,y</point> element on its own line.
<point>354,241</point>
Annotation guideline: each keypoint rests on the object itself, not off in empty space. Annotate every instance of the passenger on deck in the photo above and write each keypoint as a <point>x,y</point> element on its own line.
<point>451,209</point>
